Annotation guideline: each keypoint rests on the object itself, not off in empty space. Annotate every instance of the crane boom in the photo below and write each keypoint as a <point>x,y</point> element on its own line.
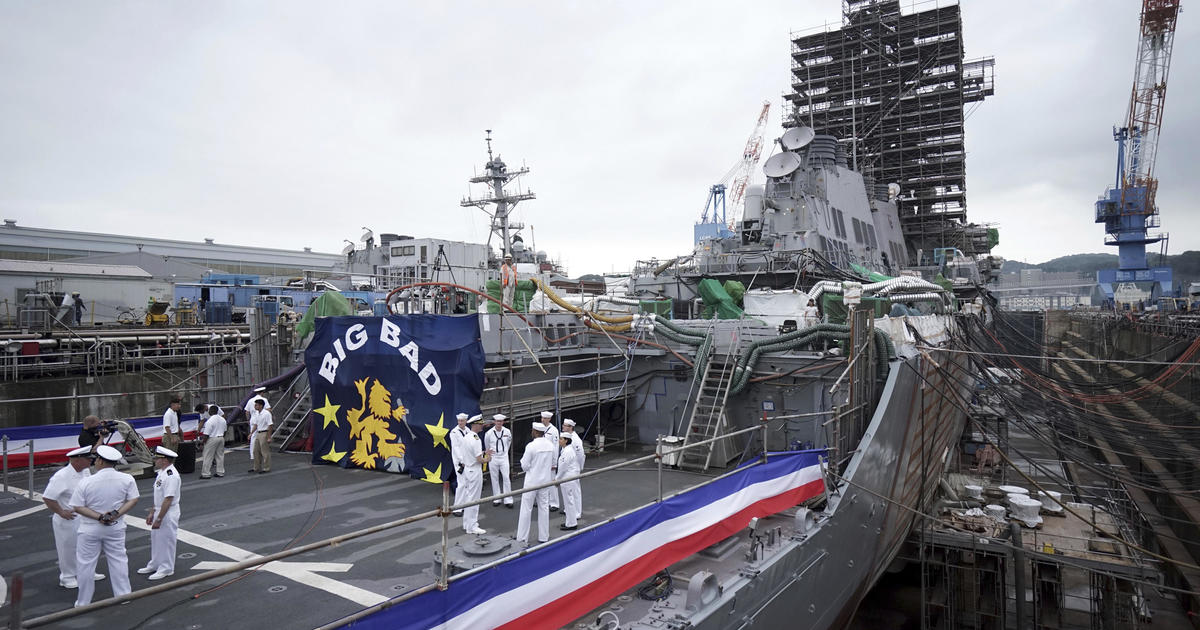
<point>741,171</point>
<point>1144,121</point>
<point>1128,209</point>
<point>750,157</point>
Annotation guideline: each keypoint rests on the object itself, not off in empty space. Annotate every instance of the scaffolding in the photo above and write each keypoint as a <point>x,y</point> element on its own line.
<point>893,86</point>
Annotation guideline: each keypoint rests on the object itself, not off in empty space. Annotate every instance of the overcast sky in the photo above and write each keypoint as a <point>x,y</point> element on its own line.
<point>293,124</point>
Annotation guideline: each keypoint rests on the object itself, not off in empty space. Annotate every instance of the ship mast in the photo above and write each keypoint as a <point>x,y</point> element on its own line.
<point>496,175</point>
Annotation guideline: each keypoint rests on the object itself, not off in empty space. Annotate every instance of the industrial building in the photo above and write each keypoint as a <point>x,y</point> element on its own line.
<point>892,83</point>
<point>19,242</point>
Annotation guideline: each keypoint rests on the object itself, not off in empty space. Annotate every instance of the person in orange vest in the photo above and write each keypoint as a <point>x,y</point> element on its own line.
<point>508,279</point>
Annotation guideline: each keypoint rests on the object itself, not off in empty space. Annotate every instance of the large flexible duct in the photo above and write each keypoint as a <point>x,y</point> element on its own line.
<point>554,297</point>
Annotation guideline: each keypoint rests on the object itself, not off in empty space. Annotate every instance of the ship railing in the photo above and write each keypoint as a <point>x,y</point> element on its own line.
<point>660,458</point>
<point>7,448</point>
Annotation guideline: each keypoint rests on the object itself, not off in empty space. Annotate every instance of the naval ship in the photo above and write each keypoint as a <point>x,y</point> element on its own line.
<point>761,469</point>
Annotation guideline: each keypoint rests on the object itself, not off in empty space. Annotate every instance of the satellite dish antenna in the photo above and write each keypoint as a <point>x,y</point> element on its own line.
<point>893,190</point>
<point>781,164</point>
<point>367,235</point>
<point>348,249</point>
<point>797,138</point>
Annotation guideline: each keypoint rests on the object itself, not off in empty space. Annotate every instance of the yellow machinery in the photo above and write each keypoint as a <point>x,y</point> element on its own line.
<point>185,312</point>
<point>156,312</point>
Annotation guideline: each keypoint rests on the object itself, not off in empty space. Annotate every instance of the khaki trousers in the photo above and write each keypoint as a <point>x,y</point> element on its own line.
<point>262,452</point>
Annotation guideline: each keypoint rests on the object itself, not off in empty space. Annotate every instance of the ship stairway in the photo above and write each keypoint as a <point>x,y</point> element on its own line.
<point>708,419</point>
<point>295,421</point>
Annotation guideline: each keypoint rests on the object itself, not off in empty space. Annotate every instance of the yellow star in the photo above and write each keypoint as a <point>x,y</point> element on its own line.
<point>438,432</point>
<point>333,455</point>
<point>433,476</point>
<point>329,412</point>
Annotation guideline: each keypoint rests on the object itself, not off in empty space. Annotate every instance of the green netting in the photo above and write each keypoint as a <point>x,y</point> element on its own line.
<point>941,281</point>
<point>736,291</point>
<point>496,293</point>
<point>835,312</point>
<point>661,308</point>
<point>524,293</point>
<point>717,301</point>
<point>873,276</point>
<point>993,237</point>
<point>330,303</point>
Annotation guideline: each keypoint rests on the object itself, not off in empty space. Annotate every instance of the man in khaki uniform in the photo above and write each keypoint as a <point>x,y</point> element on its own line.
<point>261,423</point>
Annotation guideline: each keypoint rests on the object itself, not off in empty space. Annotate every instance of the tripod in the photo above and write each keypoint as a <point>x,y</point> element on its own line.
<point>455,303</point>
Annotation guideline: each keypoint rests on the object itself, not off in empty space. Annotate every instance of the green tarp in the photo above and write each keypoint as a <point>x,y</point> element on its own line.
<point>330,303</point>
<point>521,297</point>
<point>835,312</point>
<point>873,276</point>
<point>717,301</point>
<point>661,308</point>
<point>736,291</point>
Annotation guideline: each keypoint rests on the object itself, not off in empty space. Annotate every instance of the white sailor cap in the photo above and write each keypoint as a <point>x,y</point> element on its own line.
<point>108,453</point>
<point>476,419</point>
<point>461,416</point>
<point>259,390</point>
<point>546,415</point>
<point>82,451</point>
<point>499,417</point>
<point>538,426</point>
<point>160,451</point>
<point>568,422</point>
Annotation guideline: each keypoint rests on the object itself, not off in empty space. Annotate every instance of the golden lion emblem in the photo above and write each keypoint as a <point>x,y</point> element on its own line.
<point>369,425</point>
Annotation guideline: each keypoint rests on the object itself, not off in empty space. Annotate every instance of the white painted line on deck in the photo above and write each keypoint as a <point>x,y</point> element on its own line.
<point>25,512</point>
<point>302,572</point>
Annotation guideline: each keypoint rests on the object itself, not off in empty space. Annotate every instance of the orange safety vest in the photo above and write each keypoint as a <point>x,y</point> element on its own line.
<point>508,275</point>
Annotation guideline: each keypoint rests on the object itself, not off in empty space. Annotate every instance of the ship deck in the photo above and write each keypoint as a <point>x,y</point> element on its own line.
<point>241,515</point>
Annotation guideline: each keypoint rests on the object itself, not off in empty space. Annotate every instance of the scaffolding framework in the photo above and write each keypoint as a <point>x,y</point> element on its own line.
<point>893,86</point>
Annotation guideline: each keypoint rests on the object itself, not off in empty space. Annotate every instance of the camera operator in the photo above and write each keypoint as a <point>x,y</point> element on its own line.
<point>94,432</point>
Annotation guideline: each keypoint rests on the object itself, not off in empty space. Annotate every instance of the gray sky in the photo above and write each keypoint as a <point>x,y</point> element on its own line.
<point>293,124</point>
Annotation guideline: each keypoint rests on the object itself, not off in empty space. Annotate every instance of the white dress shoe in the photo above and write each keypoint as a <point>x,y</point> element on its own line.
<point>145,570</point>
<point>68,583</point>
<point>98,577</point>
<point>477,531</point>
<point>158,575</point>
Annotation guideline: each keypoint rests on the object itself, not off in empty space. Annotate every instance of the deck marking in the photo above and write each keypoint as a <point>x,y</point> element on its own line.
<point>302,572</point>
<point>25,512</point>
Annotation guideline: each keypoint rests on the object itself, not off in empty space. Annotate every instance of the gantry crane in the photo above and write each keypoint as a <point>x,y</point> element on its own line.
<point>1128,210</point>
<point>713,221</point>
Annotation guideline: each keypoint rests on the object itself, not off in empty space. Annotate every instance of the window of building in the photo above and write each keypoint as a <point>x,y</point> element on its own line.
<point>858,230</point>
<point>403,250</point>
<point>871,236</point>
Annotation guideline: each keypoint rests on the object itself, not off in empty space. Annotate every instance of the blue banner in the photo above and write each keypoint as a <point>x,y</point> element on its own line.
<point>385,390</point>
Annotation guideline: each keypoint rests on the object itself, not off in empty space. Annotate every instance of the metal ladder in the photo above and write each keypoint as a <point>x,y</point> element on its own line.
<point>296,417</point>
<point>708,417</point>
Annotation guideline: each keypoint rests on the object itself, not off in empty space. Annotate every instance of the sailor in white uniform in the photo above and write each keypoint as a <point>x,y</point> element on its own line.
<point>552,438</point>
<point>537,462</point>
<point>471,480</point>
<point>577,448</point>
<point>164,518</point>
<point>498,440</point>
<point>65,522</point>
<point>568,466</point>
<point>102,500</point>
<point>457,434</point>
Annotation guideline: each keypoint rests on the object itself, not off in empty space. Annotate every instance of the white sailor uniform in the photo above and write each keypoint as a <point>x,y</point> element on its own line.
<point>60,488</point>
<point>106,490</point>
<point>537,463</point>
<point>568,466</point>
<point>470,482</point>
<point>164,539</point>
<point>499,441</point>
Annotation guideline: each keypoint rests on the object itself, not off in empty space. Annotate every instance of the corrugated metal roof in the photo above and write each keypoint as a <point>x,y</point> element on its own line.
<point>39,267</point>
